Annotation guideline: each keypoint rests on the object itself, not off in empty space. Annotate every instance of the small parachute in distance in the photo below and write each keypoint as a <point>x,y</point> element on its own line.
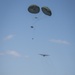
<point>34,9</point>
<point>46,11</point>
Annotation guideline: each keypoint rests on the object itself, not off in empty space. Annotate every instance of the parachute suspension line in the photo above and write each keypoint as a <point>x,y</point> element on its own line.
<point>36,20</point>
<point>34,24</point>
<point>33,37</point>
<point>34,9</point>
<point>33,27</point>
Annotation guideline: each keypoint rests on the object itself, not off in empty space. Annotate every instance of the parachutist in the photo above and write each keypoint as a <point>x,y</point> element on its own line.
<point>32,27</point>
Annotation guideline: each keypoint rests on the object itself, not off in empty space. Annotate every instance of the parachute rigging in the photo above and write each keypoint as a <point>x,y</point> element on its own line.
<point>35,9</point>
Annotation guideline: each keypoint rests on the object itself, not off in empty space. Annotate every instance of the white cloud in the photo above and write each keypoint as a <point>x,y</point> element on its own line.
<point>13,53</point>
<point>9,37</point>
<point>6,38</point>
<point>59,41</point>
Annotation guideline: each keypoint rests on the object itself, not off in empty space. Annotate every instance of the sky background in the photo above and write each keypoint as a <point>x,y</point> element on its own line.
<point>53,35</point>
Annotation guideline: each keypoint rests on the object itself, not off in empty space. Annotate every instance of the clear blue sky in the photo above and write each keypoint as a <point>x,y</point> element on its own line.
<point>53,35</point>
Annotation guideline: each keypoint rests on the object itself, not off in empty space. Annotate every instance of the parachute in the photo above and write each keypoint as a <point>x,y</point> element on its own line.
<point>34,9</point>
<point>46,11</point>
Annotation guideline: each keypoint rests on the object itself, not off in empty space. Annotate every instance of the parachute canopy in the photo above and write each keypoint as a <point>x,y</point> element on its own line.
<point>34,9</point>
<point>46,11</point>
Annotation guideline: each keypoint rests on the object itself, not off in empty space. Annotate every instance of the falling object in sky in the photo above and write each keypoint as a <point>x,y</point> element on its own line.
<point>46,11</point>
<point>34,9</point>
<point>32,38</point>
<point>36,17</point>
<point>32,27</point>
<point>44,55</point>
